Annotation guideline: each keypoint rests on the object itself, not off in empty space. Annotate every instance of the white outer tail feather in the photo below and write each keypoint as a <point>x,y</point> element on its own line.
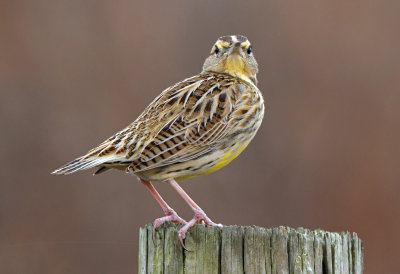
<point>81,163</point>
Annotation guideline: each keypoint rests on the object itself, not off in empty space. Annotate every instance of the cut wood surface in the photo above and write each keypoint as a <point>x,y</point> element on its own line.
<point>249,249</point>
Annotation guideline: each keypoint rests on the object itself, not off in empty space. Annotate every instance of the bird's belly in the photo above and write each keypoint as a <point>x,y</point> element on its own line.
<point>200,166</point>
<point>216,162</point>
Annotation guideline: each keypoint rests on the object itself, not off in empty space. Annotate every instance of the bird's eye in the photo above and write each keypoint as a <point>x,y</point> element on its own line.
<point>249,49</point>
<point>216,49</point>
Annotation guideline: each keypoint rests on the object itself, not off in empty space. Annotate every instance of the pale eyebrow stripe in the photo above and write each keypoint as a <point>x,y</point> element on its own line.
<point>245,44</point>
<point>222,44</point>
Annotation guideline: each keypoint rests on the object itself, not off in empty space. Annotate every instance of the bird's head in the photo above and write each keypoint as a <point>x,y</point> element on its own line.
<point>233,55</point>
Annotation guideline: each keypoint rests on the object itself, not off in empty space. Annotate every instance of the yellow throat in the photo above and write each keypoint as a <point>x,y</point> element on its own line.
<point>235,66</point>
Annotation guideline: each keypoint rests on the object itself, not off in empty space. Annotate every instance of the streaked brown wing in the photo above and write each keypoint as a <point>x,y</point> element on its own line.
<point>182,123</point>
<point>201,117</point>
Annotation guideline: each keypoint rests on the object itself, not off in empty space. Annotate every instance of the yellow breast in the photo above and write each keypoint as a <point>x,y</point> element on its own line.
<point>226,159</point>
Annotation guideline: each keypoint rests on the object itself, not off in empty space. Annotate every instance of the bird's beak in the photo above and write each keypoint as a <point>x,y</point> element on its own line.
<point>236,49</point>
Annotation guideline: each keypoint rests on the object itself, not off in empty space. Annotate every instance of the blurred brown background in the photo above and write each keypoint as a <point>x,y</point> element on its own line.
<point>72,73</point>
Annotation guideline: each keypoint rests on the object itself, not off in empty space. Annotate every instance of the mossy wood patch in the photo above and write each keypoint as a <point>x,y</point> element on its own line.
<point>249,249</point>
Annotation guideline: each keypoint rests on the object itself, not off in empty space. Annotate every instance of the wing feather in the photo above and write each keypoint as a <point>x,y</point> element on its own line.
<point>203,121</point>
<point>185,121</point>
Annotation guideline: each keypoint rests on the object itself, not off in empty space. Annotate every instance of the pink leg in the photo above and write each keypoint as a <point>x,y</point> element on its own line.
<point>170,214</point>
<point>199,215</point>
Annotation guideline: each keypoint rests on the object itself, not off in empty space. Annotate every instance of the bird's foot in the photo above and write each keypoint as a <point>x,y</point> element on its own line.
<point>199,218</point>
<point>170,216</point>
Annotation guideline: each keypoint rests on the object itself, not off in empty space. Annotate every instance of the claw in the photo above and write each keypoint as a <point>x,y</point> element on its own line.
<point>183,230</point>
<point>199,218</point>
<point>171,216</point>
<point>183,245</point>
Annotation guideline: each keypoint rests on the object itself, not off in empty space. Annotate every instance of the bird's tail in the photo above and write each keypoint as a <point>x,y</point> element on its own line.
<point>78,164</point>
<point>101,156</point>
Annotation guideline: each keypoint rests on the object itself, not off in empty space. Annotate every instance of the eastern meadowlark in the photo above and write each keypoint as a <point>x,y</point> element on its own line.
<point>194,127</point>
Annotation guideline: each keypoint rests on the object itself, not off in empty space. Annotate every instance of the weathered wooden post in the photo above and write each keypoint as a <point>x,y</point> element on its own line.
<point>249,249</point>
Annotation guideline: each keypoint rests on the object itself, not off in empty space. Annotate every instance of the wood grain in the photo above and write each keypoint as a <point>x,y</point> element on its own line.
<point>249,249</point>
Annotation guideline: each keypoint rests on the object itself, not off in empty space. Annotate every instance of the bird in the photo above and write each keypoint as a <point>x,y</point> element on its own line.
<point>195,127</point>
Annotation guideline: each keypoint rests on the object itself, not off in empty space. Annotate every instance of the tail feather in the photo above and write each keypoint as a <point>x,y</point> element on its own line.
<point>100,156</point>
<point>78,164</point>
